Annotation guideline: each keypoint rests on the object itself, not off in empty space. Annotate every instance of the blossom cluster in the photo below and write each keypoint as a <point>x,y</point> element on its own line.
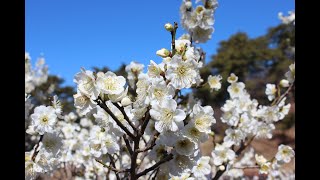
<point>45,157</point>
<point>34,76</point>
<point>198,21</point>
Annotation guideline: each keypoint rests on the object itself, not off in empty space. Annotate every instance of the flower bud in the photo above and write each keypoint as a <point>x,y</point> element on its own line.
<point>222,168</point>
<point>163,52</point>
<point>168,27</point>
<point>188,4</point>
<point>125,101</point>
<point>284,83</point>
<point>138,161</point>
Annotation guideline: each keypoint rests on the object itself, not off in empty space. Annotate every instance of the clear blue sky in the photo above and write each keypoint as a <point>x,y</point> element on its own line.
<point>73,34</point>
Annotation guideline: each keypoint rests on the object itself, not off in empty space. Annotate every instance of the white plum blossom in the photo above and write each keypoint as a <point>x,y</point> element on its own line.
<point>202,167</point>
<point>155,70</point>
<point>110,83</point>
<point>43,119</point>
<point>214,82</point>
<point>87,83</point>
<point>232,78</point>
<point>167,116</point>
<point>222,153</point>
<point>83,103</point>
<point>181,73</point>
<point>185,146</point>
<point>284,154</point>
<point>236,89</point>
<point>159,91</point>
<point>271,91</point>
<point>202,118</point>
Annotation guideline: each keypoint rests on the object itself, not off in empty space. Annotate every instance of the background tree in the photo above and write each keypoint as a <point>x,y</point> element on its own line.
<point>256,61</point>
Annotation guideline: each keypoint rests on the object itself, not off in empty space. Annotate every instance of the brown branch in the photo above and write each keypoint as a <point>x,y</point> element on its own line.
<point>151,144</point>
<point>127,144</point>
<point>35,152</point>
<point>173,38</point>
<point>125,116</point>
<point>145,122</point>
<point>166,159</point>
<point>112,168</point>
<point>113,165</point>
<point>286,93</point>
<point>105,107</point>
<point>134,156</point>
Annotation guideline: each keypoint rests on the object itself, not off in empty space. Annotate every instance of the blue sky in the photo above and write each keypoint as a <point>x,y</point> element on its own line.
<point>72,34</point>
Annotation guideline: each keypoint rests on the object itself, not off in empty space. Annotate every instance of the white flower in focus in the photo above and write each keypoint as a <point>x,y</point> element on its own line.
<point>52,143</point>
<point>155,70</point>
<point>110,83</point>
<point>194,134</point>
<point>284,154</point>
<point>236,89</point>
<point>87,83</point>
<point>202,118</point>
<point>118,97</point>
<point>214,82</point>
<point>202,167</point>
<point>184,146</point>
<point>159,91</point>
<point>167,116</point>
<point>182,74</point>
<point>43,119</point>
<point>232,78</point>
<point>222,153</point>
<point>83,103</point>
<point>271,91</point>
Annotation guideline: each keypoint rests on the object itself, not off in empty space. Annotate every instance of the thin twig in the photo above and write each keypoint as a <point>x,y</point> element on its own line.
<point>127,144</point>
<point>113,165</point>
<point>105,107</point>
<point>111,168</point>
<point>166,159</point>
<point>35,152</point>
<point>125,116</point>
